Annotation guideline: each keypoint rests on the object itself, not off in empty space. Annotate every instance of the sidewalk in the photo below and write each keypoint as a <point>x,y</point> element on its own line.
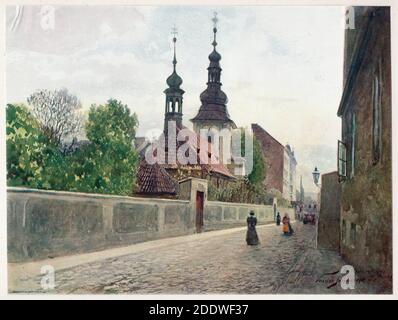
<point>20,273</point>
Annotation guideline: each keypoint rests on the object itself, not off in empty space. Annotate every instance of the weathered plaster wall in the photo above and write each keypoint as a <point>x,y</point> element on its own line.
<point>329,215</point>
<point>44,224</point>
<point>366,208</point>
<point>220,215</point>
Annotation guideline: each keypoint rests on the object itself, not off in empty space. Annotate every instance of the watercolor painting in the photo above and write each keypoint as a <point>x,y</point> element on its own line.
<point>198,149</point>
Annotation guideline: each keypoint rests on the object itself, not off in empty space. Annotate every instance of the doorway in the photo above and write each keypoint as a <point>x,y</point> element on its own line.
<point>199,211</point>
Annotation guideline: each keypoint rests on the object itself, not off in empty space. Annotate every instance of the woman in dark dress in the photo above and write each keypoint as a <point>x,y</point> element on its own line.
<point>251,235</point>
<point>278,219</point>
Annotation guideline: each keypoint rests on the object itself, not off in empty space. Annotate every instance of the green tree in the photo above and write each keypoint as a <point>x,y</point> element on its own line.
<point>109,163</point>
<point>32,160</point>
<point>258,173</point>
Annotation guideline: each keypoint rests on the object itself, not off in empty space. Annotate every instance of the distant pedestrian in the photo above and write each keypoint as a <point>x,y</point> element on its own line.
<point>278,219</point>
<point>287,228</point>
<point>251,235</point>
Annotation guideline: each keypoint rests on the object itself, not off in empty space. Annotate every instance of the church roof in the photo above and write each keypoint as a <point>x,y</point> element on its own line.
<point>154,179</point>
<point>211,168</point>
<point>213,99</point>
<point>174,81</point>
<point>213,112</point>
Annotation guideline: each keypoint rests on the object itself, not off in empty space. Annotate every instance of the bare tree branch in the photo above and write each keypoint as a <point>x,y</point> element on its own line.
<point>58,113</point>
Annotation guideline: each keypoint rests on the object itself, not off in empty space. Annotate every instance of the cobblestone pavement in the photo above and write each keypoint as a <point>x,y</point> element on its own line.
<point>219,264</point>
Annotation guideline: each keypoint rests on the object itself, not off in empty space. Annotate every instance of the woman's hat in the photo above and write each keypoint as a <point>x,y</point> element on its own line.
<point>252,213</point>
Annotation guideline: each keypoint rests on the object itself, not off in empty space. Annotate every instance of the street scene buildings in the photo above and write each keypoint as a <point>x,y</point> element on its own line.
<point>365,147</point>
<point>356,201</point>
<point>281,164</point>
<point>224,197</point>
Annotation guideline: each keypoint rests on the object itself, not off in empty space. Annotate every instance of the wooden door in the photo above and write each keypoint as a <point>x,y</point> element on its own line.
<point>199,211</point>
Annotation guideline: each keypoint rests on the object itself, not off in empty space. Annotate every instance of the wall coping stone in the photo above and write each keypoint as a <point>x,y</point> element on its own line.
<point>92,196</point>
<point>237,204</point>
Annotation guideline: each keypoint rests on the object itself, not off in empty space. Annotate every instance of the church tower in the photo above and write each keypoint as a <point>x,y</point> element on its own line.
<point>173,104</point>
<point>213,111</point>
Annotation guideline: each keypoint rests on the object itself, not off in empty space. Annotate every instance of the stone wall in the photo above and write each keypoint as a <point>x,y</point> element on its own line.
<point>329,215</point>
<point>44,224</point>
<point>366,201</point>
<point>220,215</point>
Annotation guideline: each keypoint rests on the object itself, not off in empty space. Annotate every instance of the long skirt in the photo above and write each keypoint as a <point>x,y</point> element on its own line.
<point>285,228</point>
<point>291,231</point>
<point>251,236</point>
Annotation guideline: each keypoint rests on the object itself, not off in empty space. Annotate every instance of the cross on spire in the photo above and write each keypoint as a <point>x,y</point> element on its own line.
<point>174,31</point>
<point>215,20</point>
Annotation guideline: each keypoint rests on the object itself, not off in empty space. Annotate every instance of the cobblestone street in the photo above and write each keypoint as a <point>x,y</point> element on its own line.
<point>215,264</point>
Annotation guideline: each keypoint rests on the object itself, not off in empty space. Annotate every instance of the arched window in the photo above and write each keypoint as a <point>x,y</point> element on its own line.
<point>173,106</point>
<point>180,105</point>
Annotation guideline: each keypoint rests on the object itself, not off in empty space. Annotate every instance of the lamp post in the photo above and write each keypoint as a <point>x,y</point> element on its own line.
<point>315,176</point>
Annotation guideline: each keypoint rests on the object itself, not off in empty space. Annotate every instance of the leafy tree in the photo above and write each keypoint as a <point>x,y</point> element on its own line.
<point>258,173</point>
<point>57,112</point>
<point>109,163</point>
<point>31,157</point>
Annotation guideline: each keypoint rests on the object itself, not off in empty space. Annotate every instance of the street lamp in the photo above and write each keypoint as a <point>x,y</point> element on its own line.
<point>315,176</point>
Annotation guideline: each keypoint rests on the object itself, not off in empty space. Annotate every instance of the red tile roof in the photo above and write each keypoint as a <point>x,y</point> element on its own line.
<point>218,168</point>
<point>153,179</point>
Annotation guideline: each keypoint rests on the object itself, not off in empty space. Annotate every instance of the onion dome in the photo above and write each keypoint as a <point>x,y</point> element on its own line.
<point>213,99</point>
<point>174,80</point>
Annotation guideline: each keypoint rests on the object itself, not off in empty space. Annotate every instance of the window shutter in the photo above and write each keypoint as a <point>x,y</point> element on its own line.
<point>342,160</point>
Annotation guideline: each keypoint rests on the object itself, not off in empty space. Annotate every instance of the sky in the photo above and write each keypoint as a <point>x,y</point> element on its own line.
<point>282,66</point>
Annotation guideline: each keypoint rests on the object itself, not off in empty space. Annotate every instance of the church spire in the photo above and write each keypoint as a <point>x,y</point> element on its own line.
<point>174,81</point>
<point>174,33</point>
<point>214,69</point>
<point>173,105</point>
<point>215,20</point>
<point>213,99</point>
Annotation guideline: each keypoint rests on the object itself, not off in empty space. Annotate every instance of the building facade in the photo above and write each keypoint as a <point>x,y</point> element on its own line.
<point>280,163</point>
<point>364,155</point>
<point>273,152</point>
<point>328,235</point>
<point>302,191</point>
<point>289,174</point>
